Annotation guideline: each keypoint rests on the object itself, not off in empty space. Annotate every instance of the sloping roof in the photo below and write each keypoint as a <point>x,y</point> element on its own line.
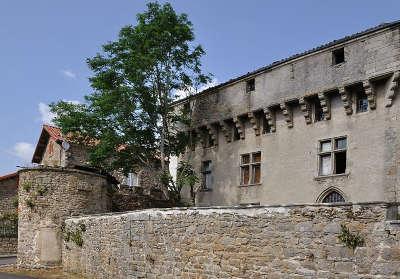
<point>295,56</point>
<point>9,176</point>
<point>48,132</point>
<point>54,132</point>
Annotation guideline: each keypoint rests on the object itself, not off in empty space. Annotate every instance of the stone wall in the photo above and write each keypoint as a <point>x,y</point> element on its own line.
<point>47,196</point>
<point>8,246</point>
<point>299,241</point>
<point>8,194</point>
<point>134,198</point>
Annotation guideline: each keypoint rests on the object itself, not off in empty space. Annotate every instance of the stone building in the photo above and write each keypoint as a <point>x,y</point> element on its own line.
<point>319,126</point>
<point>8,192</point>
<point>56,150</point>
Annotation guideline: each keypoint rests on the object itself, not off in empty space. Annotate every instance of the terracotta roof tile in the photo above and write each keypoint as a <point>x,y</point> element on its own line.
<point>8,176</point>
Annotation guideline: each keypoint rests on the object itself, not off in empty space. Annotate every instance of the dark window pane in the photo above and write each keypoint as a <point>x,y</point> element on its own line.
<point>362,102</point>
<point>333,197</point>
<point>266,127</point>
<point>257,157</point>
<point>245,175</point>
<point>340,162</point>
<point>256,174</point>
<point>318,113</point>
<point>246,159</point>
<point>338,56</point>
<point>236,135</point>
<point>250,85</point>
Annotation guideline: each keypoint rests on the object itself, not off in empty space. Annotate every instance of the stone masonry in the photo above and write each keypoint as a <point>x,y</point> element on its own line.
<point>8,200</point>
<point>286,110</point>
<point>297,241</point>
<point>47,196</point>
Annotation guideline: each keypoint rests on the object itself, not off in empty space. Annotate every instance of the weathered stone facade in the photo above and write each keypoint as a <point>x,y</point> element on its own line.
<point>8,246</point>
<point>8,206</point>
<point>8,193</point>
<point>47,196</point>
<point>299,241</point>
<point>286,110</point>
<point>133,198</point>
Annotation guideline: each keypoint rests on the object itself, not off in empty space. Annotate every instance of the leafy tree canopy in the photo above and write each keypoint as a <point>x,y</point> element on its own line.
<point>128,120</point>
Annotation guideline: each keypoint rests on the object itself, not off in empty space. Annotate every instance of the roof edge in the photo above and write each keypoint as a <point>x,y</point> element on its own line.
<point>333,43</point>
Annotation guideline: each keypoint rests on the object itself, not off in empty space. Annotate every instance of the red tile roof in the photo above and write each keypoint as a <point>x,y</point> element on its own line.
<point>54,132</point>
<point>48,132</point>
<point>8,176</point>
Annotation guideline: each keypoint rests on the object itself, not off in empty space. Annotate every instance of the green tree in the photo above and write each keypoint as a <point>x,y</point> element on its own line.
<point>128,117</point>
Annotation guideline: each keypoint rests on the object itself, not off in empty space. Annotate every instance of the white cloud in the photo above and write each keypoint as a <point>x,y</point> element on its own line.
<point>185,93</point>
<point>24,151</point>
<point>68,74</point>
<point>46,115</point>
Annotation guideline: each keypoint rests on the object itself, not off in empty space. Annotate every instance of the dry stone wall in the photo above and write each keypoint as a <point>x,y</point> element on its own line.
<point>47,196</point>
<point>250,242</point>
<point>8,246</point>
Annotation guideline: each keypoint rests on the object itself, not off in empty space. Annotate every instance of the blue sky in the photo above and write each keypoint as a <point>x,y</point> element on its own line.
<point>44,44</point>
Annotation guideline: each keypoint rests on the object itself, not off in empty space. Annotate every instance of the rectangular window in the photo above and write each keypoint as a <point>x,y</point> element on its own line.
<point>250,85</point>
<point>131,180</point>
<point>361,101</point>
<point>206,175</point>
<point>338,56</point>
<point>332,156</point>
<point>250,168</point>
<point>318,113</point>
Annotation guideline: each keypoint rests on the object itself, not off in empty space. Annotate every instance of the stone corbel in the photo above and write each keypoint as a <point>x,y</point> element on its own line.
<point>393,86</point>
<point>371,95</point>
<point>226,130</point>
<point>255,123</point>
<point>325,104</point>
<point>288,114</point>
<point>306,109</point>
<point>239,126</point>
<point>271,119</point>
<point>212,131</point>
<point>346,99</point>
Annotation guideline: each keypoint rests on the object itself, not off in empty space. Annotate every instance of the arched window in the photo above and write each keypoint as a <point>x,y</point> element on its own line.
<point>332,197</point>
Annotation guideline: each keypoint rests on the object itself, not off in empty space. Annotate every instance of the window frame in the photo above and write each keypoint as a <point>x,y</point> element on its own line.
<point>204,174</point>
<point>358,98</point>
<point>252,164</point>
<point>332,152</point>
<point>335,53</point>
<point>250,85</point>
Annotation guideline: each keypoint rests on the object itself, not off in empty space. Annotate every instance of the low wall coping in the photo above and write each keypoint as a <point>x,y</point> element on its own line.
<point>252,210</point>
<point>60,169</point>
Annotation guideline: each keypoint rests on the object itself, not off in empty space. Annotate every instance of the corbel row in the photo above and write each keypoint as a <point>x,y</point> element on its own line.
<point>393,87</point>
<point>255,117</point>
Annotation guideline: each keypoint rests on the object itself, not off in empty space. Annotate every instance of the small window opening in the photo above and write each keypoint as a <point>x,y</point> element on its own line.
<point>318,112</point>
<point>340,162</point>
<point>206,175</point>
<point>266,126</point>
<point>361,101</point>
<point>338,56</point>
<point>250,85</point>
<point>333,197</point>
<point>236,135</point>
<point>210,141</point>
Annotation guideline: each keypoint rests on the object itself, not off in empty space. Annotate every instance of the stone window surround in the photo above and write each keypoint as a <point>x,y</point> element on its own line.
<point>332,151</point>
<point>393,77</point>
<point>251,164</point>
